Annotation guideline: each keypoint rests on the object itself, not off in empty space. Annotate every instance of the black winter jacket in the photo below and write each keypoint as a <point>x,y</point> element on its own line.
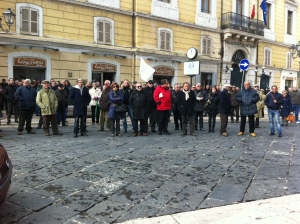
<point>149,93</point>
<point>248,99</point>
<point>138,103</point>
<point>126,94</point>
<point>9,93</point>
<point>62,97</point>
<point>199,106</point>
<point>175,102</point>
<point>213,106</point>
<point>269,101</point>
<point>186,106</point>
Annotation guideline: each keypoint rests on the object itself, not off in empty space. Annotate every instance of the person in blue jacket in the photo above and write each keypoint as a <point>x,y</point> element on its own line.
<point>286,108</point>
<point>80,98</point>
<point>273,102</point>
<point>224,108</point>
<point>26,95</point>
<point>115,97</point>
<point>247,98</point>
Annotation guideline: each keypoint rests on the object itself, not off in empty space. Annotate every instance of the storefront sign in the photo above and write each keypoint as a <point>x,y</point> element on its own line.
<point>105,67</point>
<point>239,44</point>
<point>30,62</point>
<point>164,71</point>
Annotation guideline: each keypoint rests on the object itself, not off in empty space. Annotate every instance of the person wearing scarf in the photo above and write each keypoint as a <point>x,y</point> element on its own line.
<point>187,101</point>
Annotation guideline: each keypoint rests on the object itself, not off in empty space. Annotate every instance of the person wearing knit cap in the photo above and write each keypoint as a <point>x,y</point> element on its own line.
<point>95,93</point>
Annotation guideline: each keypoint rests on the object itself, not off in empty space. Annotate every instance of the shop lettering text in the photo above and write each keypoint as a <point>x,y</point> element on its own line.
<point>31,62</point>
<point>239,44</point>
<point>104,67</point>
<point>164,71</point>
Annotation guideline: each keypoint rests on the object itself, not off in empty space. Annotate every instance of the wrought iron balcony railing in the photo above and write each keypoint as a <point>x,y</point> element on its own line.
<point>243,23</point>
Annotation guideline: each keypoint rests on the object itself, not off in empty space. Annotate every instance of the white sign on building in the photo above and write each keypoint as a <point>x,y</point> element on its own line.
<point>191,68</point>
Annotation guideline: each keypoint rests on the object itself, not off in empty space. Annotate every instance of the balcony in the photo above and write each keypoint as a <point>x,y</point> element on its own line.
<point>239,26</point>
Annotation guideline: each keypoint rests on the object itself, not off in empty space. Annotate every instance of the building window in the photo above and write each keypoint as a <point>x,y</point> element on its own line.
<point>268,55</point>
<point>29,21</point>
<point>289,22</point>
<point>239,7</point>
<point>268,16</point>
<point>289,61</point>
<point>205,6</point>
<point>103,30</point>
<point>166,1</point>
<point>206,46</point>
<point>165,39</point>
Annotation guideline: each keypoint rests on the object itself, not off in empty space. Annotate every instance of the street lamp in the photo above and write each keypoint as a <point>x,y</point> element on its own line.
<point>226,69</point>
<point>9,18</point>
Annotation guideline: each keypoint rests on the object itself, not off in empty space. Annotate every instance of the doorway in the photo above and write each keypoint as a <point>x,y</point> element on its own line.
<point>29,73</point>
<point>288,84</point>
<point>206,79</point>
<point>264,82</point>
<point>158,78</point>
<point>102,76</point>
<point>237,77</point>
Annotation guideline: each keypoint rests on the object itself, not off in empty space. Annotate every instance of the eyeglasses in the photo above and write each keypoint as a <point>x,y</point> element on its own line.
<point>106,84</point>
<point>115,87</point>
<point>138,86</point>
<point>199,86</point>
<point>151,83</point>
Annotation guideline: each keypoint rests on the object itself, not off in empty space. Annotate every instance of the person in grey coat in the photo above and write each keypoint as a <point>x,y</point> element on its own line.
<point>248,98</point>
<point>201,98</point>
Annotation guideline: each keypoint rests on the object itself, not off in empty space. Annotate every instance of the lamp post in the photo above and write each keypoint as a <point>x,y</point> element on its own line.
<point>295,52</point>
<point>9,18</point>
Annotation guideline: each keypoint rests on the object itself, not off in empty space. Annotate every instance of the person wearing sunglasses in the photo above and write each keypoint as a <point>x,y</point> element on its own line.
<point>116,97</point>
<point>104,106</point>
<point>138,103</point>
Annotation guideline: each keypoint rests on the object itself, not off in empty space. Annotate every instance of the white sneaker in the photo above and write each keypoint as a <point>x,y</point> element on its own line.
<point>298,122</point>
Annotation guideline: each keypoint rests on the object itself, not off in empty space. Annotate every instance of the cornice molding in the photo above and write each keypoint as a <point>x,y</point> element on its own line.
<point>275,43</point>
<point>175,22</point>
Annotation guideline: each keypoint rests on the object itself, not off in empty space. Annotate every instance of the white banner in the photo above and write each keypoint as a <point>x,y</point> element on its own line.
<point>146,71</point>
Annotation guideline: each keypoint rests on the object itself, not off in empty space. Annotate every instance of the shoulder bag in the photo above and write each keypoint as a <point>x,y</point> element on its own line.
<point>275,99</point>
<point>208,102</point>
<point>120,108</point>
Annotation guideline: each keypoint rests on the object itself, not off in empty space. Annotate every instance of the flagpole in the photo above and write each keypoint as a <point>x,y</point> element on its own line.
<point>257,13</point>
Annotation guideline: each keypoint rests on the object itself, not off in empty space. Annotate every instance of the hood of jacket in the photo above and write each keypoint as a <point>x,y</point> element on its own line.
<point>122,86</point>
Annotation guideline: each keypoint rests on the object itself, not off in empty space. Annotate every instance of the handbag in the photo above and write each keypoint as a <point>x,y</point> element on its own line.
<point>291,118</point>
<point>120,108</point>
<point>208,102</point>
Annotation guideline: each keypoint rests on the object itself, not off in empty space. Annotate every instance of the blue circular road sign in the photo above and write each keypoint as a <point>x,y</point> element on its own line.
<point>244,64</point>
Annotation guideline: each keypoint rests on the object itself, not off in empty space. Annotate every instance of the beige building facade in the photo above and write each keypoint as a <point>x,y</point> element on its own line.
<point>106,39</point>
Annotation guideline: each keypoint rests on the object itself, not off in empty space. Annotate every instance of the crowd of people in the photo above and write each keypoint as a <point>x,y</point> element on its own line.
<point>149,105</point>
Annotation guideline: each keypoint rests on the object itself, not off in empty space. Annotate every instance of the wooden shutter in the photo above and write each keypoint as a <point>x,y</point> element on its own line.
<point>268,57</point>
<point>34,14</point>
<point>168,41</point>
<point>289,61</point>
<point>107,33</point>
<point>203,46</point>
<point>208,47</point>
<point>25,12</point>
<point>162,40</point>
<point>100,32</point>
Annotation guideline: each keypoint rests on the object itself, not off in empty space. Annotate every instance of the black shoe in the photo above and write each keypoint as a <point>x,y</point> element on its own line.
<point>176,129</point>
<point>16,121</point>
<point>286,125</point>
<point>167,133</point>
<point>183,134</point>
<point>280,135</point>
<point>84,134</point>
<point>159,133</point>
<point>209,129</point>
<point>282,125</point>
<point>8,122</point>
<point>202,129</point>
<point>272,133</point>
<point>196,128</point>
<point>38,127</point>
<point>213,129</point>
<point>64,125</point>
<point>75,135</point>
<point>153,131</point>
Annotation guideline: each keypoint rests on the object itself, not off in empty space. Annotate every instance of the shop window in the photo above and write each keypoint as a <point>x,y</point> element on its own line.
<point>103,30</point>
<point>289,22</point>
<point>206,46</point>
<point>165,39</point>
<point>289,60</point>
<point>268,56</point>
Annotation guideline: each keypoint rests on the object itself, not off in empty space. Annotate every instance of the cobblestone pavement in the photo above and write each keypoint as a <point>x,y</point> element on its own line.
<point>100,179</point>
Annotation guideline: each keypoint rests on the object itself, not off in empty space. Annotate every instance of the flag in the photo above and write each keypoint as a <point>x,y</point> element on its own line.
<point>253,10</point>
<point>263,6</point>
<point>146,71</point>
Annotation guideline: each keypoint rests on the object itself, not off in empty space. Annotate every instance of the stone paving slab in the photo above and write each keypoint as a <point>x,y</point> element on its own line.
<point>101,179</point>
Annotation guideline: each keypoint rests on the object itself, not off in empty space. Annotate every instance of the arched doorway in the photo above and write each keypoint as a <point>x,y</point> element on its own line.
<point>237,77</point>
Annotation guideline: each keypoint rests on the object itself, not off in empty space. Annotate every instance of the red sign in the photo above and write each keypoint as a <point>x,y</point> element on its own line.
<point>30,62</point>
<point>105,67</point>
<point>164,71</point>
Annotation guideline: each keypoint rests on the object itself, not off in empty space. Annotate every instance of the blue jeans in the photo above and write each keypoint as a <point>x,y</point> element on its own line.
<point>274,114</point>
<point>296,110</point>
<point>130,113</point>
<point>37,111</point>
<point>82,124</point>
<point>66,113</point>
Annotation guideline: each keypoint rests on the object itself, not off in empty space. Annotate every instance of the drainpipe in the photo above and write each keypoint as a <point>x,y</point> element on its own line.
<point>256,62</point>
<point>133,42</point>
<point>222,45</point>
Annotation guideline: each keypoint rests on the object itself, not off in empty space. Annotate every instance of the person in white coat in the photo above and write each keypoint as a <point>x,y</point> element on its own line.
<point>95,93</point>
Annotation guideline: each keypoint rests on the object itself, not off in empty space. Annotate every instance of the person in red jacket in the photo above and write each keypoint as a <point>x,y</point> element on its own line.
<point>163,98</point>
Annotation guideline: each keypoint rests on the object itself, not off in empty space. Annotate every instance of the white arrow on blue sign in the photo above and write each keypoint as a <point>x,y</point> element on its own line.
<point>244,64</point>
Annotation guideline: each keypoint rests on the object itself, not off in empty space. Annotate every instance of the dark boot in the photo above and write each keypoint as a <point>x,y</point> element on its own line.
<point>213,129</point>
<point>209,128</point>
